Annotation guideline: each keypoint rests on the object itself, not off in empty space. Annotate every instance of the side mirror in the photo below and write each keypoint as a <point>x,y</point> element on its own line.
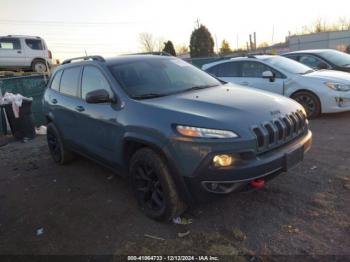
<point>322,65</point>
<point>98,96</point>
<point>269,75</point>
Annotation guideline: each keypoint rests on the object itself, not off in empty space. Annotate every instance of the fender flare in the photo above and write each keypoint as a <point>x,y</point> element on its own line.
<point>161,149</point>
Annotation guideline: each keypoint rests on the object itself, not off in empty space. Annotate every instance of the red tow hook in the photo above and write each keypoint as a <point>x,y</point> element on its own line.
<point>258,183</point>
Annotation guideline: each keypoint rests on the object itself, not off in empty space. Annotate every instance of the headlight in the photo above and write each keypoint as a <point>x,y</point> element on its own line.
<point>338,86</point>
<point>204,132</point>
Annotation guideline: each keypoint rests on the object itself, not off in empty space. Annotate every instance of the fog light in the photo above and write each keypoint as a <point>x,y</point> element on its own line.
<point>222,160</point>
<point>214,186</point>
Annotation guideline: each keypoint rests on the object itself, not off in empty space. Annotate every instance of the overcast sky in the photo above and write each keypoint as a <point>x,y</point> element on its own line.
<point>110,27</point>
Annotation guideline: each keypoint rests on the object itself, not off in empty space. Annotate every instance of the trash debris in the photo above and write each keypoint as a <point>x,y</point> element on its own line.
<point>238,234</point>
<point>41,130</point>
<point>182,221</point>
<point>183,234</point>
<point>54,180</point>
<point>40,231</point>
<point>110,177</point>
<point>347,186</point>
<point>15,100</point>
<point>26,139</point>
<point>313,168</point>
<point>291,229</point>
<point>154,237</point>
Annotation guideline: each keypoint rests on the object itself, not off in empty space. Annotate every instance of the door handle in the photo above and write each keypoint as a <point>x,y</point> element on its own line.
<point>245,83</point>
<point>80,108</point>
<point>19,52</point>
<point>54,101</point>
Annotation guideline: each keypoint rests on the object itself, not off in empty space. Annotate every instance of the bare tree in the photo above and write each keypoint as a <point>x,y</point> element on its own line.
<point>147,42</point>
<point>182,49</point>
<point>151,44</point>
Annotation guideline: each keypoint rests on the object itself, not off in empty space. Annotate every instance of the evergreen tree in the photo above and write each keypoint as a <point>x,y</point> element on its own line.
<point>201,43</point>
<point>169,48</point>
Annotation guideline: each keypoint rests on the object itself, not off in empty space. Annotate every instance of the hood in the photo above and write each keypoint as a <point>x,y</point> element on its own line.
<point>330,75</point>
<point>226,106</point>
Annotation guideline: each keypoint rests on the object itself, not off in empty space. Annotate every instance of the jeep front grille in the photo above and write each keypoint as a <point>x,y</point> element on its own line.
<point>280,131</point>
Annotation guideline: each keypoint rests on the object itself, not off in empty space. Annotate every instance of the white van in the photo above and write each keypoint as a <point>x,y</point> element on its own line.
<point>24,52</point>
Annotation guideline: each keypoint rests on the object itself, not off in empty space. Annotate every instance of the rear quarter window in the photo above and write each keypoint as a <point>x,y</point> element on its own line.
<point>70,81</point>
<point>34,44</point>
<point>55,84</point>
<point>228,69</point>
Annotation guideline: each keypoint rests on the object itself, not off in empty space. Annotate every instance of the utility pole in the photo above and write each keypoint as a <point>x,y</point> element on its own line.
<point>273,34</point>
<point>216,43</point>
<point>250,42</point>
<point>237,41</point>
<point>254,40</point>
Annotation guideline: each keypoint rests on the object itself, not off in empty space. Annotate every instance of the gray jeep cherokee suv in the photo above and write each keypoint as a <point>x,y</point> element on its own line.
<point>179,134</point>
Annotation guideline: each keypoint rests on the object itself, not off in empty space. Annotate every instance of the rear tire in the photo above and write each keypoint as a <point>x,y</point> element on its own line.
<point>154,187</point>
<point>39,66</point>
<point>57,150</point>
<point>310,102</point>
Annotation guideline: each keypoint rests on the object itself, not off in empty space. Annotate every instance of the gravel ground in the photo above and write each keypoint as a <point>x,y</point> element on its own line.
<point>83,208</point>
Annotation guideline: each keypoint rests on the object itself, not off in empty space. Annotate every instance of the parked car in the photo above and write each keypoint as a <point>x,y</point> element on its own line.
<point>322,59</point>
<point>321,91</point>
<point>24,52</point>
<point>179,134</point>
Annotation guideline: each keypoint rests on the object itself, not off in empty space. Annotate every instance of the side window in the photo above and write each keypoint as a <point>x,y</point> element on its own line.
<point>294,57</point>
<point>310,61</point>
<point>212,70</point>
<point>10,43</point>
<point>229,69</point>
<point>92,80</point>
<point>55,84</point>
<point>69,81</point>
<point>255,69</point>
<point>35,44</point>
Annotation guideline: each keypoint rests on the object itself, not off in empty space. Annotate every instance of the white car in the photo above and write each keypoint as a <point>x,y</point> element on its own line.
<point>322,91</point>
<point>24,52</point>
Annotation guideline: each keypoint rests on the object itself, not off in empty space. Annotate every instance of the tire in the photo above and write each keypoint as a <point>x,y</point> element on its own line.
<point>310,102</point>
<point>39,66</point>
<point>58,152</point>
<point>154,187</point>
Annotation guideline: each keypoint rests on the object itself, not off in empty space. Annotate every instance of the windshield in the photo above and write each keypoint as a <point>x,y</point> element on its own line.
<point>336,57</point>
<point>288,65</point>
<point>152,77</point>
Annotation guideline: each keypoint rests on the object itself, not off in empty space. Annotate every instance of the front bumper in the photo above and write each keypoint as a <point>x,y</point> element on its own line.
<point>338,102</point>
<point>208,179</point>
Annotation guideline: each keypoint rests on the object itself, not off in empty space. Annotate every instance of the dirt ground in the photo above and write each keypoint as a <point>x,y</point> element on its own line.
<point>83,208</point>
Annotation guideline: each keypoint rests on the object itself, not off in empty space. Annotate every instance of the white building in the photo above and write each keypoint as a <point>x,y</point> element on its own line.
<point>339,40</point>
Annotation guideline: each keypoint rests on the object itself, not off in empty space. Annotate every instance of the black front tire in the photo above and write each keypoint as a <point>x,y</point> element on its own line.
<point>310,102</point>
<point>154,187</point>
<point>59,153</point>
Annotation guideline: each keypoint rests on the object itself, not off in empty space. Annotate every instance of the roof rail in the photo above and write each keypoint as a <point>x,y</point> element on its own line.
<point>251,56</point>
<point>92,57</point>
<point>161,53</point>
<point>27,36</point>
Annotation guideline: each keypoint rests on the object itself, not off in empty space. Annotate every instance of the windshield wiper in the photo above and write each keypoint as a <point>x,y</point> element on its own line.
<point>148,95</point>
<point>308,71</point>
<point>199,87</point>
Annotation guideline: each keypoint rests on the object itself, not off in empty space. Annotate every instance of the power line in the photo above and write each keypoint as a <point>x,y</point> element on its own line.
<point>60,23</point>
